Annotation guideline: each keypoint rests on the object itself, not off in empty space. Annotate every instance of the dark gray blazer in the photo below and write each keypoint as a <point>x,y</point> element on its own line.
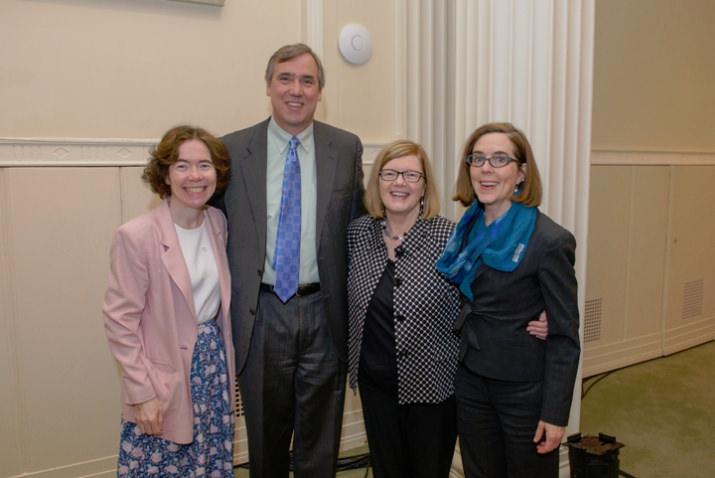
<point>338,156</point>
<point>495,342</point>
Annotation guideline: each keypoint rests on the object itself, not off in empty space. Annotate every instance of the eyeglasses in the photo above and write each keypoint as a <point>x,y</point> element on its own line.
<point>391,175</point>
<point>497,161</point>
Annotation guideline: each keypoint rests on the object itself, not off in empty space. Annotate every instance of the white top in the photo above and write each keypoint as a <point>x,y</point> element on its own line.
<point>201,262</point>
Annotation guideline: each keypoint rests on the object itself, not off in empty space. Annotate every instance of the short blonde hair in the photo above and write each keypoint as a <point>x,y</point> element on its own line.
<point>398,149</point>
<point>529,191</point>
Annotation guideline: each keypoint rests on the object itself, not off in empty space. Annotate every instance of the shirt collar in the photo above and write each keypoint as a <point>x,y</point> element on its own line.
<point>281,137</point>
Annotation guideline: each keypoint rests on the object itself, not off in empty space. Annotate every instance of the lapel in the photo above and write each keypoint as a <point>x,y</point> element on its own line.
<point>251,164</point>
<point>172,257</point>
<point>218,243</point>
<point>373,260</point>
<point>326,161</point>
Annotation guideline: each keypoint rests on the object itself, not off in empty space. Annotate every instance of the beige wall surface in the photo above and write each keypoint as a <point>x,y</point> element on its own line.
<point>690,308</point>
<point>654,71</point>
<point>64,381</point>
<point>628,224</point>
<point>360,98</point>
<point>9,446</point>
<point>134,68</point>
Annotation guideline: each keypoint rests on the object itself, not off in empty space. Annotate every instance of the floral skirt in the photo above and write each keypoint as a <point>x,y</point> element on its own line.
<point>211,452</point>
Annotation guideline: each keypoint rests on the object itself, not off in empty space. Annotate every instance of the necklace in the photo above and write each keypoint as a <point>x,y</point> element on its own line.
<point>396,237</point>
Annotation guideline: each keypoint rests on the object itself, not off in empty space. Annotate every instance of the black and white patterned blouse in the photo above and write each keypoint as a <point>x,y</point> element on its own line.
<point>425,306</point>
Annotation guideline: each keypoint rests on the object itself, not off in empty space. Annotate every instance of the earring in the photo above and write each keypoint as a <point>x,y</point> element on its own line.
<point>422,206</point>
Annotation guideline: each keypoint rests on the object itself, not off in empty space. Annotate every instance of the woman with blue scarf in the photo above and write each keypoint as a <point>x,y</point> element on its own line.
<point>510,262</point>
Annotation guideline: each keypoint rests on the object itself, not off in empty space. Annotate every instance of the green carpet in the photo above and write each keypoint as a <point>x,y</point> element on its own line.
<point>662,410</point>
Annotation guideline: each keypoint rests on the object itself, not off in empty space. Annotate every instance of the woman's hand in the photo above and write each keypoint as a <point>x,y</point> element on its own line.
<point>149,417</point>
<point>539,328</point>
<point>548,437</point>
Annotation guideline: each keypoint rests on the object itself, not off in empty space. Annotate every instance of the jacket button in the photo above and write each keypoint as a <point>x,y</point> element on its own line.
<point>252,311</point>
<point>260,272</point>
<point>398,281</point>
<point>400,318</point>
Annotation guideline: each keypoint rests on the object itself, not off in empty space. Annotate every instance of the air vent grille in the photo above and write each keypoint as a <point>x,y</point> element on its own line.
<point>692,299</point>
<point>592,320</point>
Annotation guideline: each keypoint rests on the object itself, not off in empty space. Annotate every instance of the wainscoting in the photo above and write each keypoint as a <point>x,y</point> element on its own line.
<point>650,287</point>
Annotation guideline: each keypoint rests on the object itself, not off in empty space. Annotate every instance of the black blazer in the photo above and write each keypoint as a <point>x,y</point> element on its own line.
<point>425,306</point>
<point>338,156</point>
<point>495,342</point>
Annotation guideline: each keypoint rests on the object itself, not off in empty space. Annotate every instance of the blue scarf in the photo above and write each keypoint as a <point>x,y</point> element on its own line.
<point>500,245</point>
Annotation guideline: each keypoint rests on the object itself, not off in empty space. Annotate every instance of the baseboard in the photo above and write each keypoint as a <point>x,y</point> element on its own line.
<point>690,335</point>
<point>604,358</point>
<point>100,468</point>
<point>601,359</point>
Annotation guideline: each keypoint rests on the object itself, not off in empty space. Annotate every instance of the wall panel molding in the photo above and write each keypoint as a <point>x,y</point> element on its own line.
<point>96,152</point>
<point>74,152</point>
<point>651,158</point>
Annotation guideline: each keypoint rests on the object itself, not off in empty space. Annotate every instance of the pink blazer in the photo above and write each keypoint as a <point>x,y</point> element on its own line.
<point>149,316</point>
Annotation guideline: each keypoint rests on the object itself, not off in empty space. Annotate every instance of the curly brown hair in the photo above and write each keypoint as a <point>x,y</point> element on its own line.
<point>166,153</point>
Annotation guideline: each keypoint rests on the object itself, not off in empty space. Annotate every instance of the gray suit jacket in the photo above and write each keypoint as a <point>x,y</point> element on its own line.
<point>338,155</point>
<point>495,342</point>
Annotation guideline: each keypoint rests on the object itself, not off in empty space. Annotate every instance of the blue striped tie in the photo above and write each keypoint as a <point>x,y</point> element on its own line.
<point>286,258</point>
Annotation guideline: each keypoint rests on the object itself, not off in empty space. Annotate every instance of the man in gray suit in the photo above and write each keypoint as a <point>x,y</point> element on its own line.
<point>291,341</point>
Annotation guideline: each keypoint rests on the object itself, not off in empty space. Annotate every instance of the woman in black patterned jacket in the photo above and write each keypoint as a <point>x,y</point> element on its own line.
<point>402,349</point>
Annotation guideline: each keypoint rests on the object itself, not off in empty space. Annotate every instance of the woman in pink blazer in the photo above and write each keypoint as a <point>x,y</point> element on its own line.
<point>166,315</point>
